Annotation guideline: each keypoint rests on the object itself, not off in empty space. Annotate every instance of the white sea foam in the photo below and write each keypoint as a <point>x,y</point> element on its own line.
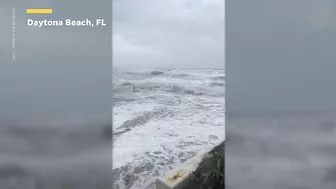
<point>173,115</point>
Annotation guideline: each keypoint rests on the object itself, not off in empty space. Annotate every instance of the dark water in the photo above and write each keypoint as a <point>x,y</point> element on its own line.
<point>57,153</point>
<point>293,150</point>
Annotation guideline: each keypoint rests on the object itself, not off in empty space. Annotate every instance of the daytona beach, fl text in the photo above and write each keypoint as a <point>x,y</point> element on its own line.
<point>66,22</point>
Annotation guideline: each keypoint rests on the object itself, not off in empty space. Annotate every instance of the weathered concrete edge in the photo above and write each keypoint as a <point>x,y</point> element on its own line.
<point>176,178</point>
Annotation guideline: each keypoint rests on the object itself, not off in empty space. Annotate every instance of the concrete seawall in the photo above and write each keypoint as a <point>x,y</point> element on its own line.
<point>179,176</point>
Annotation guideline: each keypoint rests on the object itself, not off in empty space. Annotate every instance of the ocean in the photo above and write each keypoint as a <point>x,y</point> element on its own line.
<point>171,116</point>
<point>281,150</point>
<point>55,152</point>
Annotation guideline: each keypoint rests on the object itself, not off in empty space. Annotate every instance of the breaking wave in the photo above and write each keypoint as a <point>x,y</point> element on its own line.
<point>170,117</point>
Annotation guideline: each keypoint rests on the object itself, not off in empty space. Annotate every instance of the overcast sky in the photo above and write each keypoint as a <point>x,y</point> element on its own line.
<point>281,54</point>
<point>168,33</point>
<point>69,69</point>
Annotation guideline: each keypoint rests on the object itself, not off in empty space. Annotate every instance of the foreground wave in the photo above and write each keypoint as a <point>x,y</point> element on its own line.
<point>171,116</point>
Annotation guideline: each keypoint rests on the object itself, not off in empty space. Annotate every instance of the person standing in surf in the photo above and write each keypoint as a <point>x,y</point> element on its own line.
<point>133,88</point>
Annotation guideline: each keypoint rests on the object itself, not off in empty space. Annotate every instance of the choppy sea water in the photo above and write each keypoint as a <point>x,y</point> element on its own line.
<point>281,150</point>
<point>55,152</point>
<point>171,116</point>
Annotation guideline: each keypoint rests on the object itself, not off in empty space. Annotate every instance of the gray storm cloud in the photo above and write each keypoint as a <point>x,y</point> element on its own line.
<point>174,34</point>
